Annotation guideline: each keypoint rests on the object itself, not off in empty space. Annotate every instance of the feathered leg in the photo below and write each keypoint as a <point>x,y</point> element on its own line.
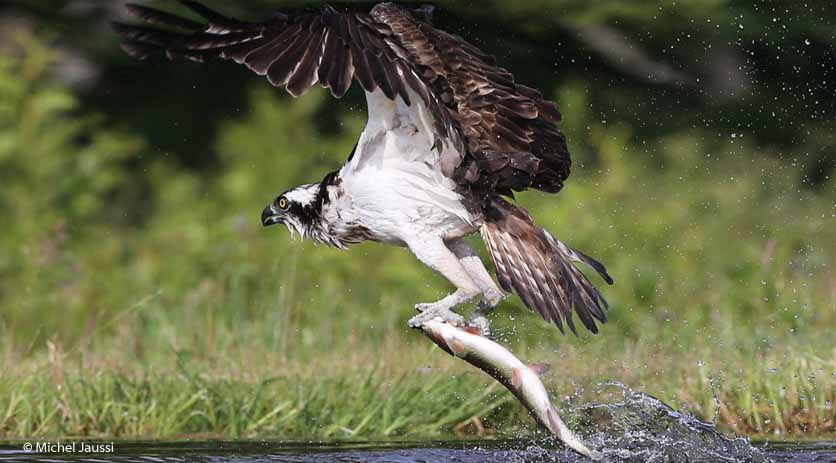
<point>434,253</point>
<point>491,294</point>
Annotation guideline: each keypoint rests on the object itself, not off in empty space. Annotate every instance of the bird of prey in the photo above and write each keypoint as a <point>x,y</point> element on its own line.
<point>450,136</point>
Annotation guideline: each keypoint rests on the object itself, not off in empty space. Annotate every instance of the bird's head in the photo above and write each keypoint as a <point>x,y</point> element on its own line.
<point>296,208</point>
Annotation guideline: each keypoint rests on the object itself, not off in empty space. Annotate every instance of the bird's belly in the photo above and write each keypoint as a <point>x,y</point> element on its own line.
<point>395,209</point>
<point>424,221</point>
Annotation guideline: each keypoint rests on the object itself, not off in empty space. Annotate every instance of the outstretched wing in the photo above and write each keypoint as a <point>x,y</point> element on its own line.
<point>504,135</point>
<point>294,49</point>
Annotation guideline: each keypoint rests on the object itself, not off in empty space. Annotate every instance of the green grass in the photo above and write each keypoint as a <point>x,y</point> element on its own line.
<point>422,394</point>
<point>351,405</point>
<point>150,303</point>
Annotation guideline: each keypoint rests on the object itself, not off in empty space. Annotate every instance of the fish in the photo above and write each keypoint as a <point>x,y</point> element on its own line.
<point>522,380</point>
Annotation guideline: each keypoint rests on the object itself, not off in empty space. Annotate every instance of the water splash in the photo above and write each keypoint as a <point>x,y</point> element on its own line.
<point>641,428</point>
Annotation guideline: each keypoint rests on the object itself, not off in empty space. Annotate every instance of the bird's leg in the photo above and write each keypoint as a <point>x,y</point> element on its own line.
<point>434,253</point>
<point>491,294</point>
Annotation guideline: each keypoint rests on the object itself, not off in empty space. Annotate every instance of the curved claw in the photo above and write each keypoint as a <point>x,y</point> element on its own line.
<point>429,312</point>
<point>423,306</point>
<point>491,299</point>
<point>480,322</point>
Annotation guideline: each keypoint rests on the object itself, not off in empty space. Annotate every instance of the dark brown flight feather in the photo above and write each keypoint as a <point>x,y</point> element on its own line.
<point>505,133</point>
<point>529,260</point>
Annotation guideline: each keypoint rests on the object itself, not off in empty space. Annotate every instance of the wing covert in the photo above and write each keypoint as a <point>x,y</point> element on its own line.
<point>511,131</point>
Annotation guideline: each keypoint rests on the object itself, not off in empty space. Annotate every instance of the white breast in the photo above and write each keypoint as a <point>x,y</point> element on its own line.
<point>394,185</point>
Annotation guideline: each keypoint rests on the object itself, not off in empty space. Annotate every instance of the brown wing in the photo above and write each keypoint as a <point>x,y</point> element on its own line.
<point>293,49</point>
<point>511,132</point>
<point>507,132</point>
<point>540,268</point>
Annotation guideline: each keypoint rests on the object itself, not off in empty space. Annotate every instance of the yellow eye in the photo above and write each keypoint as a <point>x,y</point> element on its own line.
<point>283,203</point>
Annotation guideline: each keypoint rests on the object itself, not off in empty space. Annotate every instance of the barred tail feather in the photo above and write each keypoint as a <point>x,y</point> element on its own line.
<point>539,268</point>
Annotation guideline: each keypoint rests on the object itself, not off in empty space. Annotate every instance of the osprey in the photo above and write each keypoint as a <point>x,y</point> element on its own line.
<point>450,135</point>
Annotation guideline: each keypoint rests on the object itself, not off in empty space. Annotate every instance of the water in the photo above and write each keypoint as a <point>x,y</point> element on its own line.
<point>633,428</point>
<point>513,451</point>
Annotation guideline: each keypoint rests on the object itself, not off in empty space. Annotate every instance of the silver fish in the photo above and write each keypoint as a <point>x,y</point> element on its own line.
<point>521,379</point>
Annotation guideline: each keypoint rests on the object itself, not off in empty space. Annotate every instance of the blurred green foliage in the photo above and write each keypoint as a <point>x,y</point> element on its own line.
<point>64,180</point>
<point>117,256</point>
<point>39,119</point>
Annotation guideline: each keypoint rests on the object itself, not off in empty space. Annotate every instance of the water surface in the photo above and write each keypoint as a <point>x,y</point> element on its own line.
<point>520,451</point>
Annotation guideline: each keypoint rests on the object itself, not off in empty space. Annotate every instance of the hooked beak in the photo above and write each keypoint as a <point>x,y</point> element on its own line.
<point>269,216</point>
